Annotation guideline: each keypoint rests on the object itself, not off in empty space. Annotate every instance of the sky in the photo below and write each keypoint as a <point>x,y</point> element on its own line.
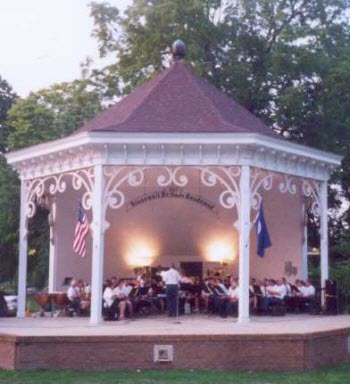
<point>44,41</point>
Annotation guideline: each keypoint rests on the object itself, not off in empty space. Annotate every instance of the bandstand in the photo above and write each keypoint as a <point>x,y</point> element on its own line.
<point>175,147</point>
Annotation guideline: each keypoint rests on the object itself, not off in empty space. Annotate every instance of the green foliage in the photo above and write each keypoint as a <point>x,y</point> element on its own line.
<point>44,115</point>
<point>9,195</point>
<point>8,192</point>
<point>38,246</point>
<point>7,97</point>
<point>51,113</point>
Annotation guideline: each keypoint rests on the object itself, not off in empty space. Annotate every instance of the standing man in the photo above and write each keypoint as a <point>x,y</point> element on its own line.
<point>171,279</point>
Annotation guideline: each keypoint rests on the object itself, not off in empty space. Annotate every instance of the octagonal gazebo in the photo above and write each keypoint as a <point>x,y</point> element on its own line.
<point>180,161</point>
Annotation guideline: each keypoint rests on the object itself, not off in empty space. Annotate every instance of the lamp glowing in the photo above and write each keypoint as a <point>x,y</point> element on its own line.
<point>140,255</point>
<point>220,252</point>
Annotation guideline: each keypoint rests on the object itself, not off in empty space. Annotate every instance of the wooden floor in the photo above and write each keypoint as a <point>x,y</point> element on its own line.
<point>195,324</point>
<point>293,342</point>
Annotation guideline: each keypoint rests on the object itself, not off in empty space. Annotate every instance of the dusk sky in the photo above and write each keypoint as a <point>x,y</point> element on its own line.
<point>44,41</point>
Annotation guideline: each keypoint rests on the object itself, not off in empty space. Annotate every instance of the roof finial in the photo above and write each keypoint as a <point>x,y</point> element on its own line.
<point>178,50</point>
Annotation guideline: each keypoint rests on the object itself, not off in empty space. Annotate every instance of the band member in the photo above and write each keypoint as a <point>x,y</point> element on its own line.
<point>122,292</point>
<point>208,295</point>
<point>111,302</point>
<point>306,294</point>
<point>276,292</point>
<point>233,297</point>
<point>171,279</point>
<point>74,296</point>
<point>220,298</point>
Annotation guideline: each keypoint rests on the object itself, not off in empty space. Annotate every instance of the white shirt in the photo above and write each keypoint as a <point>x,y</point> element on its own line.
<point>107,296</point>
<point>186,280</point>
<point>233,293</point>
<point>279,290</point>
<point>307,291</point>
<point>171,277</point>
<point>72,293</point>
<point>125,290</point>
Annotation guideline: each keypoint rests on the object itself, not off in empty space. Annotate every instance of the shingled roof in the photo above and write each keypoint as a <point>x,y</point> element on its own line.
<point>177,100</point>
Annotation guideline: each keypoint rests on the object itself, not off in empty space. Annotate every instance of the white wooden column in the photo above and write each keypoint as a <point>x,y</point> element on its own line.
<point>97,245</point>
<point>23,251</point>
<point>244,249</point>
<point>304,245</point>
<point>52,284</point>
<point>324,235</point>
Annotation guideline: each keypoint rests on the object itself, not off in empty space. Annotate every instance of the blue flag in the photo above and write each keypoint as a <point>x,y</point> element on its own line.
<point>262,234</point>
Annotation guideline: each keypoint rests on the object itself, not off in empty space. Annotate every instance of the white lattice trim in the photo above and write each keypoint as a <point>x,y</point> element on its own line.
<point>36,188</point>
<point>312,189</point>
<point>259,180</point>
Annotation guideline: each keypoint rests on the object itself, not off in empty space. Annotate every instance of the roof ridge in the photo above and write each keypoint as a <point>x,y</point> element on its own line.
<point>126,97</point>
<point>177,91</point>
<point>210,102</point>
<point>165,74</point>
<point>203,93</point>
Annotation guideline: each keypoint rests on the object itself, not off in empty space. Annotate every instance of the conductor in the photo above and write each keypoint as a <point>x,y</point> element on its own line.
<point>171,279</point>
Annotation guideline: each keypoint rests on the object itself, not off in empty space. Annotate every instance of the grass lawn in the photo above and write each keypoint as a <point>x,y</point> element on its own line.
<point>338,375</point>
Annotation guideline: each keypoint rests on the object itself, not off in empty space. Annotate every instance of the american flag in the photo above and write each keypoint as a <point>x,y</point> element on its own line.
<point>81,231</point>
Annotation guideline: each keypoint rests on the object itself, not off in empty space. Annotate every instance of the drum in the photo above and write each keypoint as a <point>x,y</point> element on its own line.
<point>59,299</point>
<point>43,299</point>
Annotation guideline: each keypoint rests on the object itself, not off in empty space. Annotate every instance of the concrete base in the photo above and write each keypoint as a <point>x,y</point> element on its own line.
<point>310,342</point>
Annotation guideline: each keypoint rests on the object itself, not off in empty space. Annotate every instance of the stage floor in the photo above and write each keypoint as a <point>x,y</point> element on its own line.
<point>195,324</point>
<point>293,342</point>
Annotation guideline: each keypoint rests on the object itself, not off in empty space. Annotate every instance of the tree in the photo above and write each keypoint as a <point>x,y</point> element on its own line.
<point>286,61</point>
<point>9,215</point>
<point>51,113</point>
<point>44,115</point>
<point>7,98</point>
<point>8,189</point>
<point>270,55</point>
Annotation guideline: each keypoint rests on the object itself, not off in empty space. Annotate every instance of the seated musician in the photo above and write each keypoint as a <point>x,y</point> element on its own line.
<point>140,296</point>
<point>220,298</point>
<point>111,302</point>
<point>308,290</point>
<point>275,293</point>
<point>74,296</point>
<point>114,281</point>
<point>158,293</point>
<point>233,297</point>
<point>290,293</point>
<point>220,283</point>
<point>191,294</point>
<point>122,291</point>
<point>208,294</point>
<point>84,293</point>
<point>306,294</point>
<point>255,293</point>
